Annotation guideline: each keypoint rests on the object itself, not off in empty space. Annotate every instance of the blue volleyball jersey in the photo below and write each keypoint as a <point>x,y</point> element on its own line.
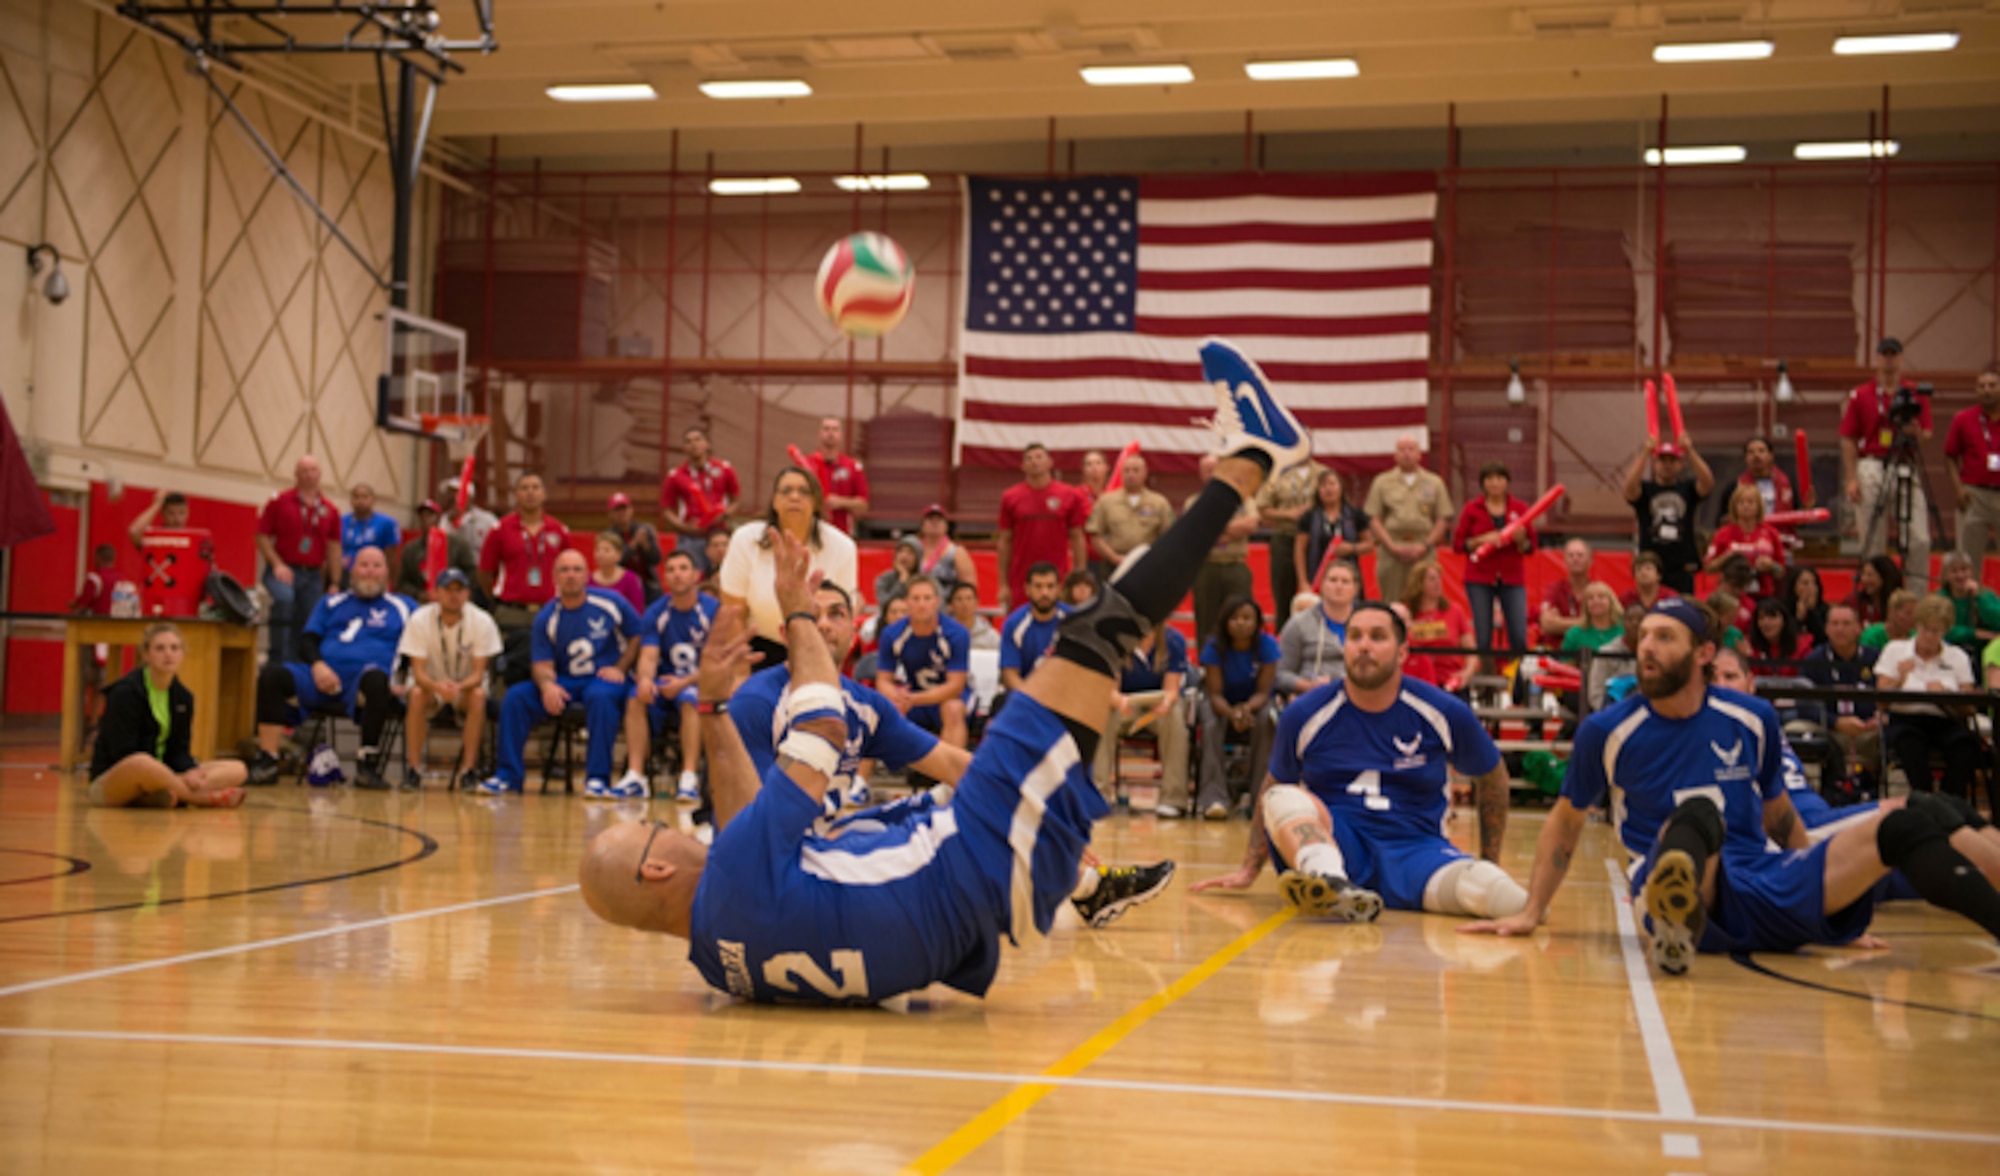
<point>1143,674</point>
<point>1730,751</point>
<point>1240,666</point>
<point>355,634</point>
<point>1025,639</point>
<point>921,663</point>
<point>1384,773</point>
<point>875,728</point>
<point>679,634</point>
<point>1810,805</point>
<point>785,914</point>
<point>585,639</point>
<point>379,531</point>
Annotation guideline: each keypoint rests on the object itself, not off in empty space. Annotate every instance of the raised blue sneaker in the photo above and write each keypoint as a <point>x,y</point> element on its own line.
<point>596,788</point>
<point>1246,414</point>
<point>632,786</point>
<point>495,786</point>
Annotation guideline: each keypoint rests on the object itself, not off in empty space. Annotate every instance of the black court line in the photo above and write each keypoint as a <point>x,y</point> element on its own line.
<point>76,866</point>
<point>1743,960</point>
<point>427,845</point>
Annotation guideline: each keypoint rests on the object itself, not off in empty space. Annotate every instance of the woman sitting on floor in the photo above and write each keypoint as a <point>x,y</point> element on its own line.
<point>141,759</point>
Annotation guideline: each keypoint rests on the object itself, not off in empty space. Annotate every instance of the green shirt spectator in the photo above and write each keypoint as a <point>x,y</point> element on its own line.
<point>1975,607</point>
<point>1582,638</point>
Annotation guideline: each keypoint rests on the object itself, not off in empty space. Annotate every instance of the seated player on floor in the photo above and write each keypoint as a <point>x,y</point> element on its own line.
<point>671,634</point>
<point>775,912</point>
<point>580,645</point>
<point>1700,771</point>
<point>350,645</point>
<point>140,758</point>
<point>1355,801</point>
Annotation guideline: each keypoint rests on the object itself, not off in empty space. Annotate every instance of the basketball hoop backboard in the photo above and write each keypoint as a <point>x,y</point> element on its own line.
<point>423,372</point>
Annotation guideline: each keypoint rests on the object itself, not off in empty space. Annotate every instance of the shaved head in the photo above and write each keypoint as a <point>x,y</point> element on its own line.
<point>628,883</point>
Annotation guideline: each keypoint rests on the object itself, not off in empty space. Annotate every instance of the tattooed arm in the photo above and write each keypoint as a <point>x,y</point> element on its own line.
<point>1782,824</point>
<point>1493,791</point>
<point>1254,855</point>
<point>1553,851</point>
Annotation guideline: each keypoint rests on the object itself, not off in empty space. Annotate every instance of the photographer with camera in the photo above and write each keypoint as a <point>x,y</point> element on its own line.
<point>1885,424</point>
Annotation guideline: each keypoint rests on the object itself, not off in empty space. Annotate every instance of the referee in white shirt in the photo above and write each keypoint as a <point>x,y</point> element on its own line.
<point>448,645</point>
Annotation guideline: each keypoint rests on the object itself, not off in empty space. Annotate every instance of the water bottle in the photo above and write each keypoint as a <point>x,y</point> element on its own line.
<point>124,599</point>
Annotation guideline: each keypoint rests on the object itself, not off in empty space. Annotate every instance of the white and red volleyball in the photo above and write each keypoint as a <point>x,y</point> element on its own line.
<point>865,284</point>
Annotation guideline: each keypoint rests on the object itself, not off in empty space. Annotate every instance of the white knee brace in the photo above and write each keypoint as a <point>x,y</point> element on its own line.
<point>1474,887</point>
<point>1285,804</point>
<point>800,703</point>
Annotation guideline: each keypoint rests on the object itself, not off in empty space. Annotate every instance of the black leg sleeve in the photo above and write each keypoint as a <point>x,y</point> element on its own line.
<point>376,701</point>
<point>274,694</point>
<point>1912,840</point>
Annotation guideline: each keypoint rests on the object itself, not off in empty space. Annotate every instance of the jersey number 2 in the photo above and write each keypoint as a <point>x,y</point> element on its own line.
<point>780,971</point>
<point>582,658</point>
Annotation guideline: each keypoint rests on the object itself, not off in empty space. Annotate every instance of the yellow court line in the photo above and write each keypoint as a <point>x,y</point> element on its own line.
<point>991,1121</point>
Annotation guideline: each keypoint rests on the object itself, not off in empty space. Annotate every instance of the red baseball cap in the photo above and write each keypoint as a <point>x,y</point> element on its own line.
<point>430,504</point>
<point>618,500</point>
<point>937,509</point>
<point>1668,449</point>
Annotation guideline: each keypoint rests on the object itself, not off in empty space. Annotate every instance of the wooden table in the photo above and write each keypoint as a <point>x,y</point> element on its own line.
<point>220,670</point>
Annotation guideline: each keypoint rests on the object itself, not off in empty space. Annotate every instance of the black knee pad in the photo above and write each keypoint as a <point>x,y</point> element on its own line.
<point>1904,833</point>
<point>1951,813</point>
<point>274,691</point>
<point>374,688</point>
<point>1699,814</point>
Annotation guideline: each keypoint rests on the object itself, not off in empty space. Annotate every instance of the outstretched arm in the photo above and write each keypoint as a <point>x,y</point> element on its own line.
<point>1494,790</point>
<point>732,776</point>
<point>1782,824</point>
<point>1553,851</point>
<point>1255,854</point>
<point>810,660</point>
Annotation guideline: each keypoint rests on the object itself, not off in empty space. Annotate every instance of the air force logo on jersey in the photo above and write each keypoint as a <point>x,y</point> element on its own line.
<point>1730,769</point>
<point>599,627</point>
<point>1407,755</point>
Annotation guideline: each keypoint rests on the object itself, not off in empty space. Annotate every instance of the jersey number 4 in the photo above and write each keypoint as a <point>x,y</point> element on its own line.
<point>787,970</point>
<point>1368,786</point>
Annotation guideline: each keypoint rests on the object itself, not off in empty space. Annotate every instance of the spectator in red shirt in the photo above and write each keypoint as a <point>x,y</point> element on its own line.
<point>168,511</point>
<point>1866,437</point>
<point>298,534</point>
<point>1774,634</point>
<point>1503,574</point>
<point>1748,535</point>
<point>1648,582</point>
<point>1877,579</point>
<point>93,596</point>
<point>1041,521</point>
<point>696,496</point>
<point>517,567</point>
<point>1436,620</point>
<point>1973,445</point>
<point>1773,486</point>
<point>843,484</point>
<point>1562,605</point>
<point>1096,474</point>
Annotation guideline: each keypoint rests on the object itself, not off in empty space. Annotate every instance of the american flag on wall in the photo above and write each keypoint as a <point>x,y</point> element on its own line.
<point>1087,298</point>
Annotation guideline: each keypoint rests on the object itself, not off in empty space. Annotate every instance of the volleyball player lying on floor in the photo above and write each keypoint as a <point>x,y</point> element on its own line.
<point>775,913</point>
<point>1699,767</point>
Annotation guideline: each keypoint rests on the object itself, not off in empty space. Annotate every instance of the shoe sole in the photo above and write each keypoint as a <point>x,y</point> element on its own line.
<point>1673,901</point>
<point>1321,899</point>
<point>1110,913</point>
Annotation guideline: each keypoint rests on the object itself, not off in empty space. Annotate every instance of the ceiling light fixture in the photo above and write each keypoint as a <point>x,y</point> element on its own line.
<point>765,186</point>
<point>1301,71</point>
<point>1691,156</point>
<point>1895,43</point>
<point>1137,75</point>
<point>603,92</point>
<point>1713,51</point>
<point>766,88</point>
<point>1517,392</point>
<point>1856,149</point>
<point>895,182</point>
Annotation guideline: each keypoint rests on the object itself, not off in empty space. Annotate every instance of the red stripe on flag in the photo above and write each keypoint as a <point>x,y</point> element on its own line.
<point>1316,328</point>
<point>1258,279</point>
<point>1323,187</point>
<point>1099,413</point>
<point>1140,369</point>
<point>1366,234</point>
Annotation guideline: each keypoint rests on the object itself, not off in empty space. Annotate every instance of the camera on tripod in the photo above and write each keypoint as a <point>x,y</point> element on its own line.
<point>1903,407</point>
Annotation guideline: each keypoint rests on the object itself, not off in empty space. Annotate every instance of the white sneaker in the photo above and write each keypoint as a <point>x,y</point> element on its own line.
<point>632,786</point>
<point>1216,811</point>
<point>1246,413</point>
<point>1167,812</point>
<point>858,795</point>
<point>689,790</point>
<point>596,789</point>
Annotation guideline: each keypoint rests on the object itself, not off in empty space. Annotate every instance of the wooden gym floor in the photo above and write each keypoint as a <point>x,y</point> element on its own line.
<point>341,981</point>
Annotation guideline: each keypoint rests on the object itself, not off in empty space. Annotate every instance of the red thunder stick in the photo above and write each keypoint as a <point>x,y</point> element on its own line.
<point>1652,415</point>
<point>1117,478</point>
<point>1512,531</point>
<point>1674,408</point>
<point>1805,494</point>
<point>798,457</point>
<point>465,481</point>
<point>1798,518</point>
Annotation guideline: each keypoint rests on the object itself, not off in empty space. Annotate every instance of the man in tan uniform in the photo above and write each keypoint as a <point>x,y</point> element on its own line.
<point>1127,518</point>
<point>1227,570</point>
<point>1282,502</point>
<point>1410,509</point>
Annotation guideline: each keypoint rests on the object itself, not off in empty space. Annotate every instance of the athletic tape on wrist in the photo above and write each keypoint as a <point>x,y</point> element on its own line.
<point>810,700</point>
<point>814,751</point>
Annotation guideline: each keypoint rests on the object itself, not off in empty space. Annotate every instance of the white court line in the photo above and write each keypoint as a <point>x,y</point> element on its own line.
<point>281,941</point>
<point>1262,1094</point>
<point>1669,1085</point>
